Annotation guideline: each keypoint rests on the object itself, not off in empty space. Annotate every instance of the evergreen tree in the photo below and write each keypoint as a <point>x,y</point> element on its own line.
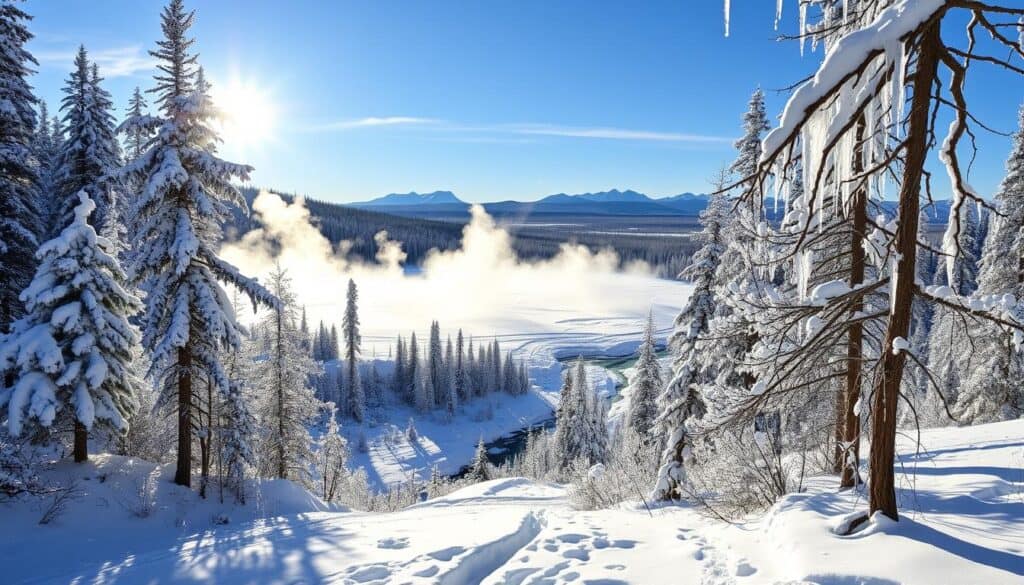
<point>451,396</point>
<point>495,373</point>
<point>137,138</point>
<point>73,351</point>
<point>90,157</point>
<point>399,386</point>
<point>287,403</point>
<point>509,376</point>
<point>992,389</point>
<point>45,151</point>
<point>331,351</point>
<point>238,428</point>
<point>680,400</point>
<point>480,469</point>
<point>355,395</point>
<point>21,222</point>
<point>178,225</point>
<point>460,375</point>
<point>331,453</point>
<point>435,367</point>
<point>646,385</point>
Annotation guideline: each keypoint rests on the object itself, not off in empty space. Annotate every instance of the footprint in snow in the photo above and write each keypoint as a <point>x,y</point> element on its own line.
<point>571,538</point>
<point>428,572</point>
<point>446,554</point>
<point>577,553</point>
<point>394,543</point>
<point>745,569</point>
<point>369,573</point>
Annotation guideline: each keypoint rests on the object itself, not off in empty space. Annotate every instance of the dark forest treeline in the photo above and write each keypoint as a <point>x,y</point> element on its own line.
<point>667,255</point>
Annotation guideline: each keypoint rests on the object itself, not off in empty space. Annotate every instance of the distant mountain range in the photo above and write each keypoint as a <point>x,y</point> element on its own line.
<point>444,204</point>
<point>613,202</point>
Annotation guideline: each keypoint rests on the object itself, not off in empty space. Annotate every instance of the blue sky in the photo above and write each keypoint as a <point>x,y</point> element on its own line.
<point>509,100</point>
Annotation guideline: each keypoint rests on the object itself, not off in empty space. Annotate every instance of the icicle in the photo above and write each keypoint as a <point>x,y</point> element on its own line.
<point>803,26</point>
<point>727,14</point>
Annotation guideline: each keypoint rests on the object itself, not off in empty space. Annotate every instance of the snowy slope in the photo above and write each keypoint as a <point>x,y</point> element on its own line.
<point>962,497</point>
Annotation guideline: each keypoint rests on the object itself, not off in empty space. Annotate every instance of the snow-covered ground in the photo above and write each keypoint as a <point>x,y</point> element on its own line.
<point>539,335</point>
<point>962,498</point>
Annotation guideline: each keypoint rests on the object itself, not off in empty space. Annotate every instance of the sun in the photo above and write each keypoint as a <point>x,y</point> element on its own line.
<point>248,115</point>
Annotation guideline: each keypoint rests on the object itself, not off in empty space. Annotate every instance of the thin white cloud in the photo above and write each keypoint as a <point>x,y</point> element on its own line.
<point>113,62</point>
<point>613,133</point>
<point>373,122</point>
<point>497,131</point>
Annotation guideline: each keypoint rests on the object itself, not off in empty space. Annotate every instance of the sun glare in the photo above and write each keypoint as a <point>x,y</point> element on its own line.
<point>248,114</point>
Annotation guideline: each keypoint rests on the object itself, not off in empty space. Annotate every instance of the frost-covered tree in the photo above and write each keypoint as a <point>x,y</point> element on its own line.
<point>354,392</point>
<point>237,428</point>
<point>331,454</point>
<point>399,384</point>
<point>90,157</point>
<point>72,352</point>
<point>451,396</point>
<point>21,222</point>
<point>185,191</point>
<point>680,400</point>
<point>580,431</point>
<point>647,383</point>
<point>859,100</point>
<point>435,367</point>
<point>992,390</point>
<point>45,150</point>
<point>509,376</point>
<point>480,469</point>
<point>136,138</point>
<point>287,405</point>
<point>460,375</point>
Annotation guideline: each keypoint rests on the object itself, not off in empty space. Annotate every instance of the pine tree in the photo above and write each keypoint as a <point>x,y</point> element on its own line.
<point>45,152</point>
<point>73,351</point>
<point>399,386</point>
<point>460,374</point>
<point>331,351</point>
<point>451,396</point>
<point>435,366</point>
<point>992,390</point>
<point>331,454</point>
<point>680,400</point>
<point>137,139</point>
<point>238,428</point>
<point>412,368</point>
<point>646,385</point>
<point>178,226</point>
<point>495,373</point>
<point>480,469</point>
<point>355,395</point>
<point>287,403</point>
<point>21,222</point>
<point>509,381</point>
<point>90,156</point>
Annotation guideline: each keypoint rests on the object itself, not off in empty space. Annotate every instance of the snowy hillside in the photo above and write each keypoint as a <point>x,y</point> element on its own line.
<point>962,496</point>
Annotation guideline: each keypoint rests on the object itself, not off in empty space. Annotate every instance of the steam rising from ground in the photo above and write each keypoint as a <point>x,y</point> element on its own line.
<point>482,286</point>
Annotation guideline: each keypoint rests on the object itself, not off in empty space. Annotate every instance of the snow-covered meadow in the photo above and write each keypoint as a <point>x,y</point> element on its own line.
<point>962,493</point>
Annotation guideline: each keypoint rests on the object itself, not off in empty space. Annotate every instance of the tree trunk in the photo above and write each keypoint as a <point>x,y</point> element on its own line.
<point>887,390</point>
<point>849,424</point>
<point>282,467</point>
<point>206,442</point>
<point>81,448</point>
<point>183,472</point>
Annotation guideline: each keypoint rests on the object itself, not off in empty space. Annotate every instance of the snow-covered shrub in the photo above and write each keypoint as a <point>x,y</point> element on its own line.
<point>624,477</point>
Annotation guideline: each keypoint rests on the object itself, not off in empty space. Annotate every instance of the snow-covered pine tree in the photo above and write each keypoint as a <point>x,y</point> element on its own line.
<point>564,415</point>
<point>304,329</point>
<point>647,384</point>
<point>398,386</point>
<point>45,151</point>
<point>89,158</point>
<point>354,393</point>
<point>411,434</point>
<point>460,375</point>
<point>21,225</point>
<point>496,377</point>
<point>237,429</point>
<point>185,193</point>
<point>412,369</point>
<point>332,348</point>
<point>73,351</point>
<point>680,400</point>
<point>451,396</point>
<point>287,405</point>
<point>331,454</point>
<point>136,139</point>
<point>482,371</point>
<point>435,366</point>
<point>508,375</point>
<point>992,390</point>
<point>480,469</point>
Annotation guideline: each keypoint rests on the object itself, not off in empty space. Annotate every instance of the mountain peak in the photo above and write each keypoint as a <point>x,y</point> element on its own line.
<point>414,198</point>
